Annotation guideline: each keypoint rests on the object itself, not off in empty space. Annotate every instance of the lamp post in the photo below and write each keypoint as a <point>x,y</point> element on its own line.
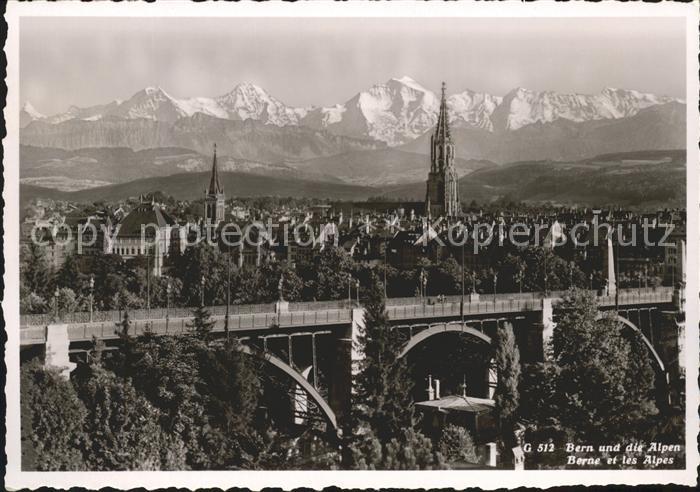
<point>571,275</point>
<point>646,276</point>
<point>461,303</point>
<point>424,280</point>
<point>119,304</point>
<point>92,293</point>
<point>519,276</point>
<point>148,282</point>
<point>420,283</point>
<point>617,278</point>
<point>168,288</point>
<point>349,288</point>
<point>495,281</point>
<point>385,264</point>
<point>55,304</point>
<point>228,292</point>
<point>357,290</point>
<point>201,291</point>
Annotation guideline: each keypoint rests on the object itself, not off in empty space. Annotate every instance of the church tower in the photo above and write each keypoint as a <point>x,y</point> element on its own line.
<point>442,194</point>
<point>214,198</point>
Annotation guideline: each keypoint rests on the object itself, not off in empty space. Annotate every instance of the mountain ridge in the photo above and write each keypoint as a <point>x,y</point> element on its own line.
<point>183,186</point>
<point>642,179</point>
<point>394,112</point>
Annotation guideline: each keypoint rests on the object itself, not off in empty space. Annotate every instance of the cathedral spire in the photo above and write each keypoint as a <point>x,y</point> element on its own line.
<point>442,193</point>
<point>214,185</point>
<point>442,130</point>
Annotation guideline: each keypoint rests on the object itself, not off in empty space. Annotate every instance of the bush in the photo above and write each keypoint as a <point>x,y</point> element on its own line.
<point>122,425</point>
<point>456,444</point>
<point>52,419</point>
<point>411,450</point>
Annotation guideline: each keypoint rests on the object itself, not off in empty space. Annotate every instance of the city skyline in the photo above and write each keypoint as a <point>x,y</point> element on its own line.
<point>306,62</point>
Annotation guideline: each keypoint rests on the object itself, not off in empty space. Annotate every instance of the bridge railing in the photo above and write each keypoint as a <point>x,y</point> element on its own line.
<point>321,305</point>
<point>450,309</point>
<point>629,296</point>
<point>651,294</point>
<point>141,314</point>
<point>173,326</point>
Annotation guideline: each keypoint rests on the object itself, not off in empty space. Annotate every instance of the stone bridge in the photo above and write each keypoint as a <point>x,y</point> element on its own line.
<point>313,343</point>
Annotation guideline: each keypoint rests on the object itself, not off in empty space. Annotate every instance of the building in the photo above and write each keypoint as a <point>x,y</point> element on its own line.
<point>442,194</point>
<point>214,198</point>
<point>146,231</point>
<point>675,257</point>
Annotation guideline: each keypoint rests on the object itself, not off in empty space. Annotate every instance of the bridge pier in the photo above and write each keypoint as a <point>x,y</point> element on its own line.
<point>539,328</point>
<point>548,325</point>
<point>56,354</point>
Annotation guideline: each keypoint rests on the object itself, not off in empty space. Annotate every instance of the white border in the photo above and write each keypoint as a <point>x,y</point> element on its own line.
<point>15,478</point>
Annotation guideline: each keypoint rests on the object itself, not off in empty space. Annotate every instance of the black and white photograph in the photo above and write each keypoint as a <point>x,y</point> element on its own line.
<point>401,238</point>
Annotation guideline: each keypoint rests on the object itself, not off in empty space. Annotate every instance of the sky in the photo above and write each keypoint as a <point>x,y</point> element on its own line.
<point>84,61</point>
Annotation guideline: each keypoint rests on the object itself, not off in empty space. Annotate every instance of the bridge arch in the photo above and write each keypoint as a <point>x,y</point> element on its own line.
<point>298,378</point>
<point>628,323</point>
<point>439,328</point>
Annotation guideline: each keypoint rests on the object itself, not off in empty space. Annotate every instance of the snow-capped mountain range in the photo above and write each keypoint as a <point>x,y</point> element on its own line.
<point>395,112</point>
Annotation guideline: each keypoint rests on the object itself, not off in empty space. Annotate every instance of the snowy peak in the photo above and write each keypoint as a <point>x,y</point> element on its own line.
<point>521,107</point>
<point>28,114</point>
<point>249,101</point>
<point>406,81</point>
<point>90,113</point>
<point>401,110</point>
<point>471,109</point>
<point>31,111</point>
<point>395,112</point>
<point>151,103</point>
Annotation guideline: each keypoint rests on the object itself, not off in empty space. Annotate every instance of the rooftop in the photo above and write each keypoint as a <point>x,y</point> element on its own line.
<point>458,403</point>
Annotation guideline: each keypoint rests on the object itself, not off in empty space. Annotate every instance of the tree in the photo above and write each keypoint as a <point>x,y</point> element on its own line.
<point>202,323</point>
<point>201,262</point>
<point>166,371</point>
<point>605,379</point>
<point>52,418</point>
<point>511,274</point>
<point>292,285</point>
<point>35,270</point>
<point>543,264</point>
<point>261,285</point>
<point>110,275</point>
<point>69,274</point>
<point>231,387</point>
<point>508,370</point>
<point>67,300</point>
<point>383,385</point>
<point>122,425</point>
<point>329,273</point>
<point>383,420</point>
<point>447,279</point>
<point>32,303</point>
<point>508,367</point>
